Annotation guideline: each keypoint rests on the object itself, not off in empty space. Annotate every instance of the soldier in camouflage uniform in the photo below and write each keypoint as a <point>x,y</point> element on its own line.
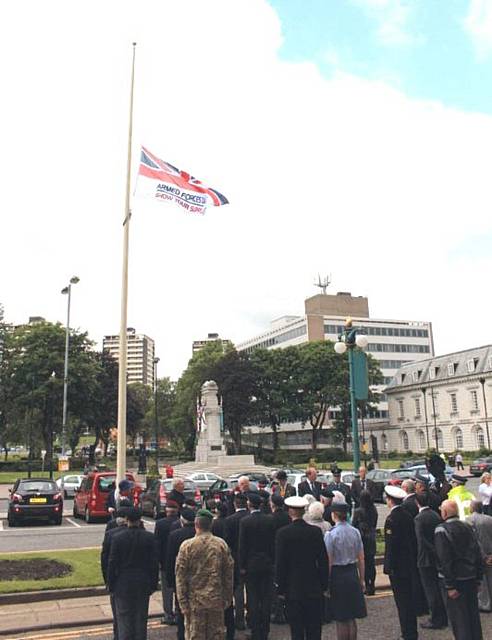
<point>204,571</point>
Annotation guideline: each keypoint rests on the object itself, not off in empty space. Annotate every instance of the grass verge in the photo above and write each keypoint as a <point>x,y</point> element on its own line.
<point>9,477</point>
<point>86,571</point>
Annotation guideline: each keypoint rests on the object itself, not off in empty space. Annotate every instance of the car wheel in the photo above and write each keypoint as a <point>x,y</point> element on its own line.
<point>58,521</point>
<point>87,516</point>
<point>11,521</point>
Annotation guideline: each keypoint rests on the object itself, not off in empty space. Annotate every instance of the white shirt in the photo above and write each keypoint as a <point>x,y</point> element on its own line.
<point>485,493</point>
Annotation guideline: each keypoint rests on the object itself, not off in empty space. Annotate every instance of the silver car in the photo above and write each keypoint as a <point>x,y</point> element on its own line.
<point>69,484</point>
<point>203,479</point>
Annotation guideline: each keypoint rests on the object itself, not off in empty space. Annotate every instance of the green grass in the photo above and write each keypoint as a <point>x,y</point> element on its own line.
<point>9,477</point>
<point>86,571</point>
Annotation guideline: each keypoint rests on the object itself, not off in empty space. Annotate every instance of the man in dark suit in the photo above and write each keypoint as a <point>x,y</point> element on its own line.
<point>422,485</point>
<point>175,539</point>
<point>425,524</point>
<point>232,538</point>
<point>361,484</point>
<point>400,561</point>
<point>133,572</point>
<point>256,560</point>
<point>310,485</point>
<point>177,493</point>
<point>338,485</point>
<point>280,519</point>
<point>301,572</point>
<point>163,528</point>
<point>410,502</point>
<point>282,487</point>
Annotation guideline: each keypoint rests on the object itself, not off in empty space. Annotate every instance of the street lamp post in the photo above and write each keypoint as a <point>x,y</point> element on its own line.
<point>68,292</point>
<point>424,390</point>
<point>350,339</point>
<point>435,420</point>
<point>52,393</point>
<point>482,382</point>
<point>156,422</point>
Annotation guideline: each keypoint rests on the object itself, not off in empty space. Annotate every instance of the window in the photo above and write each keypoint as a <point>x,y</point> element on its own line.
<point>454,403</point>
<point>458,438</point>
<point>401,409</point>
<point>435,405</point>
<point>480,438</point>
<point>489,362</point>
<point>421,440</point>
<point>417,408</point>
<point>470,366</point>
<point>452,368</point>
<point>415,376</point>
<point>474,400</point>
<point>404,441</point>
<point>438,433</point>
<point>384,442</point>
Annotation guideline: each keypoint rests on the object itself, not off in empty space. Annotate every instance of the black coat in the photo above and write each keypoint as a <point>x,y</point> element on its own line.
<point>425,525</point>
<point>400,555</point>
<point>219,528</point>
<point>280,519</point>
<point>163,528</point>
<point>176,538</point>
<point>304,487</point>
<point>366,522</point>
<point>177,497</point>
<point>356,489</point>
<point>133,566</point>
<point>410,505</point>
<point>256,543</point>
<point>232,530</point>
<point>106,548</point>
<point>301,563</point>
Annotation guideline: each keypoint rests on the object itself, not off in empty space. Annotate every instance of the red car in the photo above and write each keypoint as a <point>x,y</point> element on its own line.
<point>90,500</point>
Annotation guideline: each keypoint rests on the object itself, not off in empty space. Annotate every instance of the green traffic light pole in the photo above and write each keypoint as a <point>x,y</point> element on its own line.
<point>349,339</point>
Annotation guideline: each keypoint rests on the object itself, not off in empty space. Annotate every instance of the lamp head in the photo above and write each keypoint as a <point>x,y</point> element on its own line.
<point>74,280</point>
<point>361,341</point>
<point>64,291</point>
<point>340,348</point>
<point>156,360</point>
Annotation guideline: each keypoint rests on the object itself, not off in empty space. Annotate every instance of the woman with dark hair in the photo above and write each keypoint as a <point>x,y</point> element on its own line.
<point>365,519</point>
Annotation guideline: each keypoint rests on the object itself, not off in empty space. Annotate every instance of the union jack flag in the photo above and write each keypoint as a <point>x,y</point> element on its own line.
<point>173,184</point>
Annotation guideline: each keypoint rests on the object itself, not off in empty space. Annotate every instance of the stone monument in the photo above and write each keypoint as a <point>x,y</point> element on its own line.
<point>210,445</point>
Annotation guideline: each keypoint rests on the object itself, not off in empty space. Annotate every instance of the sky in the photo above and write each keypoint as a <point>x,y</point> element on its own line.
<point>351,137</point>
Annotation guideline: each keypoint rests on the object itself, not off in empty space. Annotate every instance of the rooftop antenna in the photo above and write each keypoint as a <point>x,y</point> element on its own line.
<point>324,283</point>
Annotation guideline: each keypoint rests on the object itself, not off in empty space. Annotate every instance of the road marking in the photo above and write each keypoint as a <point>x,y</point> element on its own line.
<point>1,525</point>
<point>75,524</point>
<point>77,633</point>
<point>50,550</point>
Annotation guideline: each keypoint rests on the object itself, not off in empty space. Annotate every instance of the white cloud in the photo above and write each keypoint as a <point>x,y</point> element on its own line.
<point>392,18</point>
<point>478,24</point>
<point>341,175</point>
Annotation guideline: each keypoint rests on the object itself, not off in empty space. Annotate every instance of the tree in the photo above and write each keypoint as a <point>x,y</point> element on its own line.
<point>137,405</point>
<point>105,402</point>
<point>276,388</point>
<point>235,375</point>
<point>166,395</point>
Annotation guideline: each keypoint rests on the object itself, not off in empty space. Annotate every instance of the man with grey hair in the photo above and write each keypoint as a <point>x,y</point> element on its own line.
<point>410,503</point>
<point>177,494</point>
<point>482,525</point>
<point>460,568</point>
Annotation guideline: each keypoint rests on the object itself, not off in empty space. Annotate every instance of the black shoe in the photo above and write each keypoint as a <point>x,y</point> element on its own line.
<point>430,625</point>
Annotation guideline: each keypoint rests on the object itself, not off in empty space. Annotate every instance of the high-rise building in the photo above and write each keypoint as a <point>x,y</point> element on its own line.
<point>211,337</point>
<point>140,355</point>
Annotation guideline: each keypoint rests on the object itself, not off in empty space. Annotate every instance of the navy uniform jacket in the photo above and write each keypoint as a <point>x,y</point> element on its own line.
<point>175,540</point>
<point>280,519</point>
<point>301,563</point>
<point>163,528</point>
<point>106,548</point>
<point>133,566</point>
<point>425,525</point>
<point>256,543</point>
<point>400,554</point>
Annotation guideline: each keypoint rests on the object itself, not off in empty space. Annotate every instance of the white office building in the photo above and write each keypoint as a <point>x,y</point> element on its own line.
<point>441,403</point>
<point>140,355</point>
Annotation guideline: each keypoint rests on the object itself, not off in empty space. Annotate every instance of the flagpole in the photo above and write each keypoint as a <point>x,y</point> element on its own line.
<point>121,442</point>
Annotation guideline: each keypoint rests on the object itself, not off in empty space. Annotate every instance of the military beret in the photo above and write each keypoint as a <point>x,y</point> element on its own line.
<point>296,502</point>
<point>340,507</point>
<point>204,513</point>
<point>125,485</point>
<point>255,499</point>
<point>133,514</point>
<point>188,514</point>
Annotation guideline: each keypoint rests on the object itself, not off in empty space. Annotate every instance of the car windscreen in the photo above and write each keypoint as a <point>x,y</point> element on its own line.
<point>37,485</point>
<point>189,485</point>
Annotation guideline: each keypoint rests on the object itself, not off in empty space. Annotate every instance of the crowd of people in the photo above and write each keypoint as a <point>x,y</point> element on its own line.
<point>303,557</point>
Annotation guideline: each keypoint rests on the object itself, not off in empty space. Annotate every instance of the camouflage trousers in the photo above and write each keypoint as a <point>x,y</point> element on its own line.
<point>203,624</point>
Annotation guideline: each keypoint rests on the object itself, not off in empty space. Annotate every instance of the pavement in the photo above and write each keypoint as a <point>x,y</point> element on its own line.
<point>18,619</point>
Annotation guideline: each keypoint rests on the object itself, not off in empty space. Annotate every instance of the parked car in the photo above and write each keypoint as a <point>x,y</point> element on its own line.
<point>413,463</point>
<point>223,488</point>
<point>381,478</point>
<point>481,465</point>
<point>256,476</point>
<point>292,478</point>
<point>347,477</point>
<point>69,484</point>
<point>153,500</point>
<point>203,479</point>
<point>422,470</point>
<point>90,500</point>
<point>35,498</point>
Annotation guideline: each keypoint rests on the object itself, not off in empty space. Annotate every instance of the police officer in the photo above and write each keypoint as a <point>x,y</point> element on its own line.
<point>204,569</point>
